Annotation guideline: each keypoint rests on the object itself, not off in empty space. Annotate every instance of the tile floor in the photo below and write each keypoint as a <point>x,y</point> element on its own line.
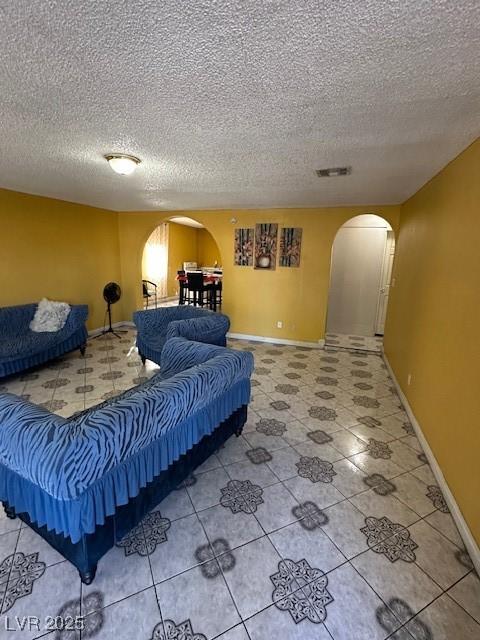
<point>321,521</point>
<point>354,343</point>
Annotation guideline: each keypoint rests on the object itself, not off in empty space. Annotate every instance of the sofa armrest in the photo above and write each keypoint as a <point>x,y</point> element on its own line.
<point>77,317</point>
<point>32,440</point>
<point>211,328</point>
<point>16,319</point>
<point>152,321</point>
<point>179,354</point>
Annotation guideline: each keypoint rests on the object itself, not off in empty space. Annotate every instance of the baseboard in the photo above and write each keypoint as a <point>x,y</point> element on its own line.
<point>457,516</point>
<point>116,325</point>
<point>241,336</point>
<point>293,343</point>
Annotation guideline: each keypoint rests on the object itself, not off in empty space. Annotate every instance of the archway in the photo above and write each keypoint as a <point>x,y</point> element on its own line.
<point>360,274</point>
<point>180,243</point>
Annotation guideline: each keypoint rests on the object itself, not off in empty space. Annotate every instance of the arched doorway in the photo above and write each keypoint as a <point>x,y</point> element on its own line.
<point>361,268</point>
<point>180,243</point>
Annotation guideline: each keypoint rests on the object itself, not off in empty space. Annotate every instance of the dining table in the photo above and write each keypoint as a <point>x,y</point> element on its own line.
<point>209,278</point>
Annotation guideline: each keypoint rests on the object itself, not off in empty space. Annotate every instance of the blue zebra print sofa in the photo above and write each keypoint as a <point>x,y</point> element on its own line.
<point>21,348</point>
<point>83,483</point>
<point>156,326</point>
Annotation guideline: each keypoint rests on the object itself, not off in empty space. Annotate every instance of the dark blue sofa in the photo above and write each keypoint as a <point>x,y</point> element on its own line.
<point>156,326</point>
<point>21,348</point>
<point>83,483</point>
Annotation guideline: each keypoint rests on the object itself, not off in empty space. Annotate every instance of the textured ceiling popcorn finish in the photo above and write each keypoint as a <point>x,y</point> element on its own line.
<point>234,104</point>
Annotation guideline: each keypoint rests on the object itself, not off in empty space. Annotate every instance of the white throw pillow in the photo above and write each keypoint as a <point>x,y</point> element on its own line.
<point>49,316</point>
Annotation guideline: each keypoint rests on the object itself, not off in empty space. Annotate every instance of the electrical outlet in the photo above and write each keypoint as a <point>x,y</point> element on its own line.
<point>409,379</point>
<point>393,282</point>
<point>279,324</point>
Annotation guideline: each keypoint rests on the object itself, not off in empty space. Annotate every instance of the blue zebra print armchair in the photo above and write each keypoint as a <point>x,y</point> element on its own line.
<point>84,482</point>
<point>21,348</point>
<point>156,326</point>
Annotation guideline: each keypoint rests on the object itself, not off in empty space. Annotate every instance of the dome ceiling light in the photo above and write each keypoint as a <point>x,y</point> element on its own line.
<point>122,164</point>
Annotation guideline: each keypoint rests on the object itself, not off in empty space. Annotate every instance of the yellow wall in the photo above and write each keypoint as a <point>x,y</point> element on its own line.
<point>182,247</point>
<point>255,300</point>
<point>186,244</point>
<point>59,250</point>
<point>208,251</point>
<point>433,322</point>
<point>68,251</point>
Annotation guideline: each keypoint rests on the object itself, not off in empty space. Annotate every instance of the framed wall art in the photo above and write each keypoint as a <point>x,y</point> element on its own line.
<point>243,249</point>
<point>266,246</point>
<point>290,246</point>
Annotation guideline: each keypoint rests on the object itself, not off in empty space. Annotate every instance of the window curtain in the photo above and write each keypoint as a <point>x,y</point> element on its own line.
<point>155,259</point>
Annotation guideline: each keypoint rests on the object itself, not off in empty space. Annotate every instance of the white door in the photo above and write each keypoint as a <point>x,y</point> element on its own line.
<point>385,283</point>
<point>357,259</point>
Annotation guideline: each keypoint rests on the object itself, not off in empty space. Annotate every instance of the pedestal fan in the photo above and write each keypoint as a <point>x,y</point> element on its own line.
<point>111,294</point>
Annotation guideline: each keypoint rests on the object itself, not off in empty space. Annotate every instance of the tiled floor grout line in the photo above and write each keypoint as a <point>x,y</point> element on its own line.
<point>376,382</point>
<point>153,586</point>
<point>345,499</point>
<point>9,572</point>
<point>347,560</point>
<point>442,593</point>
<point>214,557</point>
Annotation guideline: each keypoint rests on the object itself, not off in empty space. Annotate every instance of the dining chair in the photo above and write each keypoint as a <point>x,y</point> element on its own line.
<point>197,288</point>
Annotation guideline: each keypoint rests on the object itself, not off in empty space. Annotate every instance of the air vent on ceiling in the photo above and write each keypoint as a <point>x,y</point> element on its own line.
<point>333,172</point>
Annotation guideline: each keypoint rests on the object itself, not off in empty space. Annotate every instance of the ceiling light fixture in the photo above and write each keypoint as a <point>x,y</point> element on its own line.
<point>333,172</point>
<point>122,164</point>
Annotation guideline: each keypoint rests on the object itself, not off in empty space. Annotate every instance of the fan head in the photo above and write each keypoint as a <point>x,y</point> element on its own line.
<point>112,292</point>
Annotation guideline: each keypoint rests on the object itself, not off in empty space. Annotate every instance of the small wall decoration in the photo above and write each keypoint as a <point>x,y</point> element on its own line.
<point>290,246</point>
<point>266,246</point>
<point>243,249</point>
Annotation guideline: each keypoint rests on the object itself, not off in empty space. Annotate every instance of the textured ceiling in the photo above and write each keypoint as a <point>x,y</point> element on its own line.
<point>235,103</point>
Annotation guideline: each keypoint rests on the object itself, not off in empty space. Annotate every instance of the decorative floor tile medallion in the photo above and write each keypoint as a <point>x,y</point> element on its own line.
<point>189,481</point>
<point>287,389</point>
<point>378,449</point>
<point>241,495</point>
<point>327,381</point>
<point>380,484</point>
<point>396,609</point>
<point>390,539</point>
<point>262,371</point>
<point>320,437</point>
<point>280,405</point>
<point>144,538</point>
<point>297,365</point>
<point>271,427</point>
<point>436,496</point>
<point>301,590</point>
<point>310,515</point>
<point>168,630</point>
<point>291,375</point>
<point>366,401</point>
<point>23,570</point>
<point>409,430</point>
<point>93,623</point>
<point>215,558</point>
<point>363,386</point>
<point>315,470</point>
<point>322,413</point>
<point>464,559</point>
<point>325,395</point>
<point>259,455</point>
<point>359,373</point>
